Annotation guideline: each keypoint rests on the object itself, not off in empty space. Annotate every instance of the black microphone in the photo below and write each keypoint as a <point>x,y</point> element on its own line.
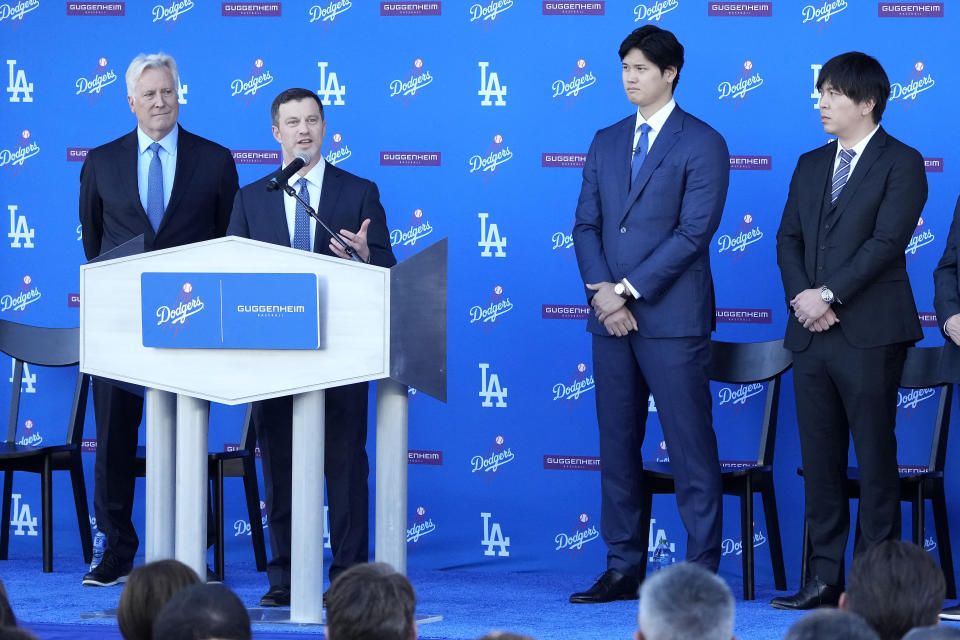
<point>281,177</point>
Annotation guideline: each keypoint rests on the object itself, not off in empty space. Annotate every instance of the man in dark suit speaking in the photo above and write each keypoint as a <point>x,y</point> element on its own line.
<point>350,206</point>
<point>174,188</point>
<point>644,223</point>
<point>852,207</point>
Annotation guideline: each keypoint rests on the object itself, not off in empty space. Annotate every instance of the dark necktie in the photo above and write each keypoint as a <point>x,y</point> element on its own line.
<point>301,220</point>
<point>842,173</point>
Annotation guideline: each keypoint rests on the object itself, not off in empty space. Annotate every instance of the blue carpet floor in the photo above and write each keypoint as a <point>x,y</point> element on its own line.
<point>471,600</point>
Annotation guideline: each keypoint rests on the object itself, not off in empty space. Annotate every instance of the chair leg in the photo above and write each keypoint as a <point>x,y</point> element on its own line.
<point>46,505</point>
<point>746,537</point>
<point>80,501</point>
<point>5,514</point>
<point>646,509</point>
<point>919,507</point>
<point>217,482</point>
<point>943,538</point>
<point>252,495</point>
<point>805,553</point>
<point>772,518</point>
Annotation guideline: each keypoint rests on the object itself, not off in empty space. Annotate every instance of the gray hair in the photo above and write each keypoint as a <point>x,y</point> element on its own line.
<point>831,624</point>
<point>685,601</point>
<point>146,61</point>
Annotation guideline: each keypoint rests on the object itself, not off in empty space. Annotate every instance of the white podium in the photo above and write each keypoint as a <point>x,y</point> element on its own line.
<point>374,324</point>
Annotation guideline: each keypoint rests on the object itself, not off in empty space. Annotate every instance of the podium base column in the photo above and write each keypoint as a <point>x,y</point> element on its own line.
<point>391,494</point>
<point>161,413</point>
<point>306,552</point>
<point>191,534</point>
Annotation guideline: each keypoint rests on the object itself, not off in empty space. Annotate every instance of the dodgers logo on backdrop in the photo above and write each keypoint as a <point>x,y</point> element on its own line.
<point>17,10</point>
<point>583,533</point>
<point>256,79</point>
<point>815,94</point>
<point>417,78</point>
<point>497,154</point>
<point>490,87</point>
<point>562,242</point>
<point>487,13</point>
<point>918,82</point>
<point>170,13</point>
<point>186,305</point>
<point>330,87</point>
<point>242,527</point>
<point>19,89</point>
<point>735,396</point>
<point>747,233</point>
<point>653,11</point>
<point>99,78</point>
<point>25,149</point>
<point>487,314</point>
<point>580,383</point>
<point>496,457</point>
<point>908,399</point>
<point>327,14</point>
<point>735,547</point>
<point>578,80</point>
<point>31,436</point>
<point>921,238</point>
<point>417,228</point>
<point>662,455</point>
<point>493,537</point>
<point>339,150</point>
<point>28,382</point>
<point>21,520</point>
<point>747,80</point>
<point>490,238</point>
<point>823,13</point>
<point>420,526</point>
<point>21,233</point>
<point>490,387</point>
<point>27,295</point>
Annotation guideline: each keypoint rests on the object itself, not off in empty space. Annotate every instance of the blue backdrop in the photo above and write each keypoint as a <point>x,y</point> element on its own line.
<point>474,119</point>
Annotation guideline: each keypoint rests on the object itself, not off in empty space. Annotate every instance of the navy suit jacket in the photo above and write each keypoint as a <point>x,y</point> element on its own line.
<point>946,298</point>
<point>346,201</point>
<point>862,255</point>
<point>111,213</point>
<point>657,231</point>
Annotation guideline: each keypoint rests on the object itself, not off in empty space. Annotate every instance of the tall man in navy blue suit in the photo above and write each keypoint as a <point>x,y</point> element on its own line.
<point>351,206</point>
<point>654,185</point>
<point>852,207</point>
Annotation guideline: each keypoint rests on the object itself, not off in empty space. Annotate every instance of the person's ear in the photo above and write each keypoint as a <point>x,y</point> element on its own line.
<point>843,603</point>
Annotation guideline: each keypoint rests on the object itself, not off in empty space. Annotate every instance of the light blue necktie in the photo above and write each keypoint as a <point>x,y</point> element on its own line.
<point>301,220</point>
<point>640,153</point>
<point>155,188</point>
<point>842,174</point>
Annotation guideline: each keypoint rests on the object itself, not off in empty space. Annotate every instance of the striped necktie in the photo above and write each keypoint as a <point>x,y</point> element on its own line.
<point>842,174</point>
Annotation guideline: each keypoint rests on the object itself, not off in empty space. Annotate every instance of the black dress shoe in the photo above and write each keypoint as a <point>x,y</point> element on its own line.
<point>277,596</point>
<point>816,593</point>
<point>610,586</point>
<point>111,570</point>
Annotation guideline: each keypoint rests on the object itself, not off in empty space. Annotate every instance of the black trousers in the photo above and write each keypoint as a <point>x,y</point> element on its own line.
<point>841,391</point>
<point>345,467</point>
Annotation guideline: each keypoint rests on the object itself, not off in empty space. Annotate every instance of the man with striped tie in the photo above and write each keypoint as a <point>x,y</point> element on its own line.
<point>852,208</point>
<point>654,185</point>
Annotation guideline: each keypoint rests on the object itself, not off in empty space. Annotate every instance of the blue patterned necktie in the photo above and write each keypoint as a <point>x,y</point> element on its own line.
<point>640,152</point>
<point>301,220</point>
<point>842,174</point>
<point>155,188</point>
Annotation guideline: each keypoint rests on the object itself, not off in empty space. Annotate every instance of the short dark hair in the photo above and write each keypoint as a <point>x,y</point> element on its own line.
<point>201,612</point>
<point>831,624</point>
<point>657,45</point>
<point>859,77</point>
<point>16,633</point>
<point>371,602</point>
<point>895,586</point>
<point>7,619</point>
<point>148,588</point>
<point>292,95</point>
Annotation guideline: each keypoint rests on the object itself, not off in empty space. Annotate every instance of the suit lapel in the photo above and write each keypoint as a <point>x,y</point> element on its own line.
<point>329,195</point>
<point>129,169</point>
<point>873,150</point>
<point>186,165</point>
<point>666,139</point>
<point>274,209</point>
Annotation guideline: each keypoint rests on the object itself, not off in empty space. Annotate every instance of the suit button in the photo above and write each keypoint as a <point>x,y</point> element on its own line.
<point>827,227</point>
<point>819,268</point>
<point>623,229</point>
<point>823,247</point>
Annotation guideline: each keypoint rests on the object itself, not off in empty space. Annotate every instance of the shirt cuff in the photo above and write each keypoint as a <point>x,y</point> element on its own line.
<point>633,291</point>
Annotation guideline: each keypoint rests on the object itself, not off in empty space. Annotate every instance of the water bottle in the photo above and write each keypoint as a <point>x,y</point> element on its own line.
<point>99,544</point>
<point>661,555</point>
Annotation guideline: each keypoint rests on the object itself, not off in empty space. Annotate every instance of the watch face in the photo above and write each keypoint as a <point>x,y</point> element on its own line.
<point>619,289</point>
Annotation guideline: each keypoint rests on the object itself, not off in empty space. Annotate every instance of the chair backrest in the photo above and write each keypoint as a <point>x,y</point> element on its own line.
<point>248,436</point>
<point>922,371</point>
<point>754,362</point>
<point>48,347</point>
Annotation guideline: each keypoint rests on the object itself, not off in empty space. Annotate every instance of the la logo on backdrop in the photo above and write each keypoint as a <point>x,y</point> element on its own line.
<point>748,79</point>
<point>257,78</point>
<point>28,383</point>
<point>93,84</point>
<point>417,78</point>
<point>570,89</point>
<point>19,88</point>
<point>572,542</point>
<point>16,303</point>
<point>21,233</point>
<point>404,240</point>
<point>25,149</point>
